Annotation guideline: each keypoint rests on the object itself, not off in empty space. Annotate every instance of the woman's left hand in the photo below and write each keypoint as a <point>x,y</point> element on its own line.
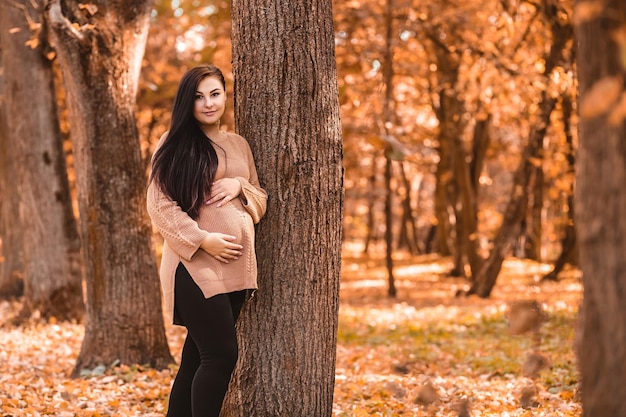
<point>224,190</point>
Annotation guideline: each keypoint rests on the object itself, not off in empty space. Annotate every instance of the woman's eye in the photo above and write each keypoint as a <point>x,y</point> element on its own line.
<point>198,97</point>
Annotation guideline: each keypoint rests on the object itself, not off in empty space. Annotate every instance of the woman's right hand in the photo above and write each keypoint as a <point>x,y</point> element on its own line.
<point>221,247</point>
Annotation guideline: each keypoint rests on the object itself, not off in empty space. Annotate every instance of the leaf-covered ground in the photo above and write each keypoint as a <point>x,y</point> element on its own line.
<point>429,353</point>
<point>425,353</point>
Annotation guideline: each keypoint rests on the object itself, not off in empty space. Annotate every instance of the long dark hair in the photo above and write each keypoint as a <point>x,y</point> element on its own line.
<point>185,164</point>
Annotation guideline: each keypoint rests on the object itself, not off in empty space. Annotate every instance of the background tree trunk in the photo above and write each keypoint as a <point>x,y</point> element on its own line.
<point>388,131</point>
<point>286,105</point>
<point>470,197</point>
<point>600,216</point>
<point>50,243</point>
<point>100,49</point>
<point>441,237</point>
<point>408,235</point>
<point>517,208</point>
<point>533,233</point>
<point>569,243</point>
<point>452,168</point>
<point>11,284</point>
<point>391,281</point>
<point>370,222</point>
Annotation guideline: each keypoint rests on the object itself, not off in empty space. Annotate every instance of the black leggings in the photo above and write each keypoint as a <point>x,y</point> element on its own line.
<point>210,351</point>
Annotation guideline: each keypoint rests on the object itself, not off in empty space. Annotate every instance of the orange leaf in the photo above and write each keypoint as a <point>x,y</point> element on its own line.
<point>91,8</point>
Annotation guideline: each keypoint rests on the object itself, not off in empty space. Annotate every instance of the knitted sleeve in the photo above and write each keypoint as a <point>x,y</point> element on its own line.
<point>181,232</point>
<point>253,197</point>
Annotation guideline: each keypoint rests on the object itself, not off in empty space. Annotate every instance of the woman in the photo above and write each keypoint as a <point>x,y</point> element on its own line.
<point>204,198</point>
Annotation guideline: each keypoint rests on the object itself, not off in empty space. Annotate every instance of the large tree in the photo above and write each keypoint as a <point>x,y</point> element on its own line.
<point>50,247</point>
<point>11,284</point>
<point>100,45</point>
<point>600,202</point>
<point>286,105</point>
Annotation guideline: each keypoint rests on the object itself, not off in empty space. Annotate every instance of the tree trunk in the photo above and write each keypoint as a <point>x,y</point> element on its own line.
<point>441,236</point>
<point>391,288</point>
<point>600,215</point>
<point>452,160</point>
<point>466,176</point>
<point>407,238</point>
<point>517,207</point>
<point>568,251</point>
<point>11,284</point>
<point>370,223</point>
<point>388,131</point>
<point>569,243</point>
<point>286,105</point>
<point>533,232</point>
<point>515,212</point>
<point>50,243</point>
<point>481,141</point>
<point>100,50</point>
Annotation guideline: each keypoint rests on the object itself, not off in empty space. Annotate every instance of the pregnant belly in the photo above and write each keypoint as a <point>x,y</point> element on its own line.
<point>231,219</point>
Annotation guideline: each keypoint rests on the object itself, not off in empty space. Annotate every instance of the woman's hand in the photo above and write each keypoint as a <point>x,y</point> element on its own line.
<point>224,190</point>
<point>221,247</point>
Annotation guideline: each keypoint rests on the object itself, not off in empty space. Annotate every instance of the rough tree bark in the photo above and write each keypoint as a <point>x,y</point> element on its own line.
<point>50,244</point>
<point>600,212</point>
<point>286,105</point>
<point>11,284</point>
<point>100,46</point>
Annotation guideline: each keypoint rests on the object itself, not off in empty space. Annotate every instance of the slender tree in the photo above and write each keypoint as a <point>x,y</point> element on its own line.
<point>408,236</point>
<point>600,202</point>
<point>286,105</point>
<point>50,248</point>
<point>387,123</point>
<point>370,222</point>
<point>569,244</point>
<point>100,45</point>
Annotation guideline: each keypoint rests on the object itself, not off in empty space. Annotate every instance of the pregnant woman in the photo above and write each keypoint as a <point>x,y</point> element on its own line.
<point>204,198</point>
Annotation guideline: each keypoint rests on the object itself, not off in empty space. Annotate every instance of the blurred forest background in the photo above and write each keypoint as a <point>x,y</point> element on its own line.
<point>459,126</point>
<point>459,123</point>
<point>444,109</point>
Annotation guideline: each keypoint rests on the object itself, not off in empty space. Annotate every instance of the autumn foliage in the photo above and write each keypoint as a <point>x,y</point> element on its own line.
<point>427,353</point>
<point>460,132</point>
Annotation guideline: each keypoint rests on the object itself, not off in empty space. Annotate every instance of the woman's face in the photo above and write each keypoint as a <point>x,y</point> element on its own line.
<point>210,101</point>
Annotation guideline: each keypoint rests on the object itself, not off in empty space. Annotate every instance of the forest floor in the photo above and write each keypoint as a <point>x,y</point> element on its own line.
<point>424,353</point>
<point>429,353</point>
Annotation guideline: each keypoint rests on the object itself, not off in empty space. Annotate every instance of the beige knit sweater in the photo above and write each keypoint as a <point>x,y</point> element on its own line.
<point>182,235</point>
